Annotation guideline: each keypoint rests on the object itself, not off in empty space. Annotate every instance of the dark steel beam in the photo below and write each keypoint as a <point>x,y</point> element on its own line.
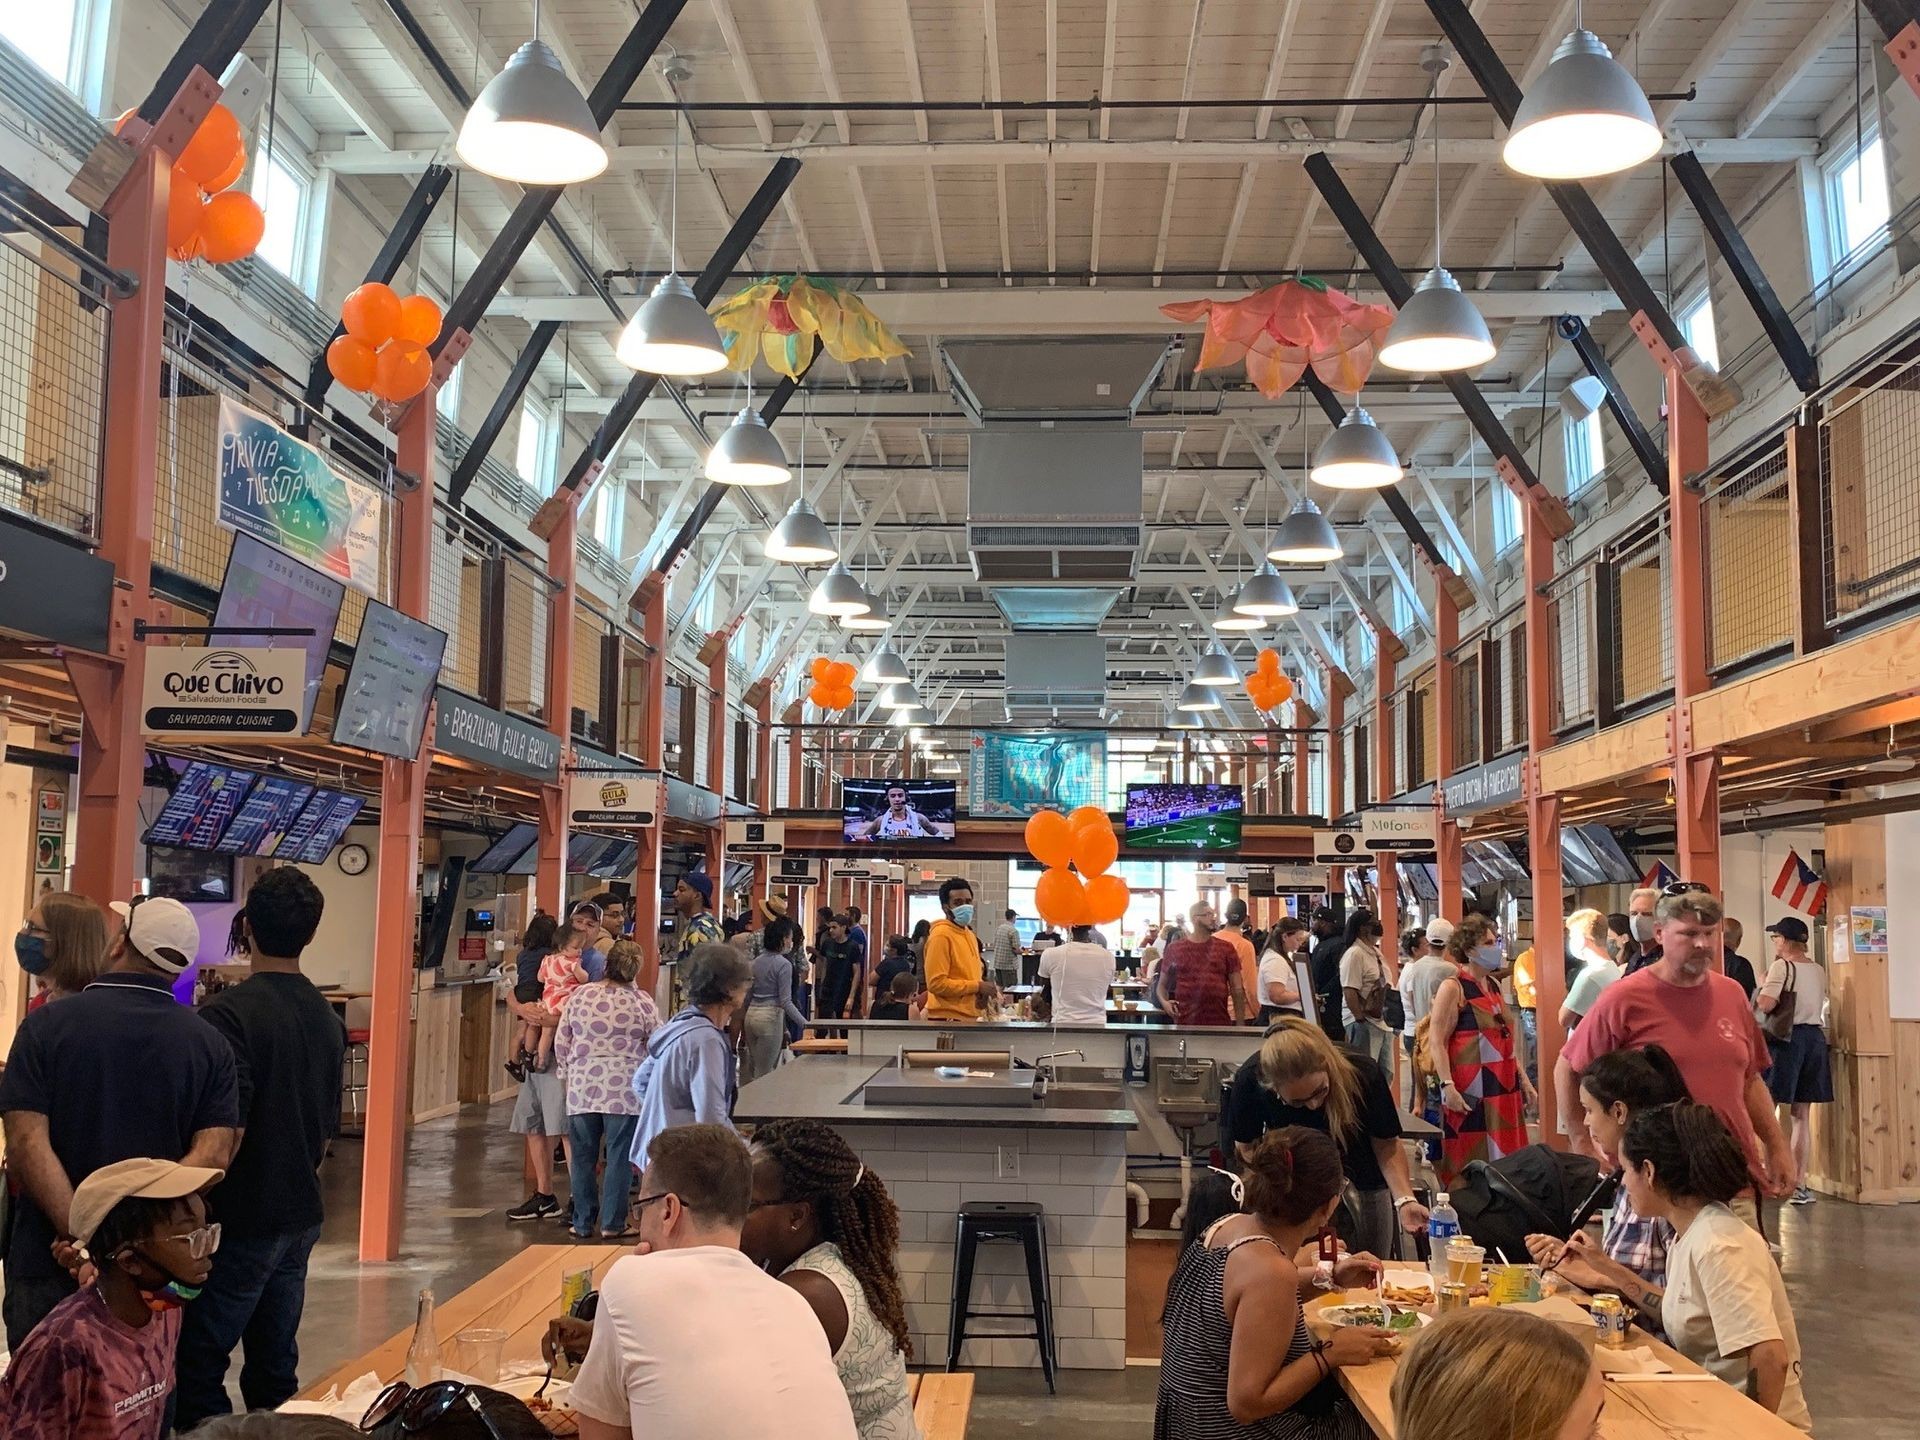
<point>1721,228</point>
<point>1463,32</point>
<point>504,403</point>
<point>407,227</point>
<point>216,37</point>
<point>536,206</point>
<point>1652,459</point>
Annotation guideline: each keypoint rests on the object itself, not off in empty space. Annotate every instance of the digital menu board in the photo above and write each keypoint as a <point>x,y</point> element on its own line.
<point>383,706</point>
<point>264,589</point>
<point>311,838</point>
<point>584,851</point>
<point>203,803</point>
<point>498,856</point>
<point>616,863</point>
<point>273,805</point>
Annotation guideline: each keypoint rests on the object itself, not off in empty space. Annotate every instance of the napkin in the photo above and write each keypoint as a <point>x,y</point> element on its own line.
<point>1641,1361</point>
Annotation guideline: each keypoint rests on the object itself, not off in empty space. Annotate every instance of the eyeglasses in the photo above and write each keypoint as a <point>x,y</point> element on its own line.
<point>1684,887</point>
<point>200,1243</point>
<point>414,1410</point>
<point>646,1200</point>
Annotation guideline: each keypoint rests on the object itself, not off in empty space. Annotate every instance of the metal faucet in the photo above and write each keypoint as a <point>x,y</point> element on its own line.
<point>1051,1072</point>
<point>1183,1049</point>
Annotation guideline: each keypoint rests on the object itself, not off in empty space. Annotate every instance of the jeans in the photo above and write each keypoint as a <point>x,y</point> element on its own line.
<point>1530,1027</point>
<point>766,1030</point>
<point>609,1207</point>
<point>253,1298</point>
<point>29,1301</point>
<point>1370,1039</point>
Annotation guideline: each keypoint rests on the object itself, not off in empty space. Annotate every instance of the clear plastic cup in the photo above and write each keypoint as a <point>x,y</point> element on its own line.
<point>476,1354</point>
<point>1464,1263</point>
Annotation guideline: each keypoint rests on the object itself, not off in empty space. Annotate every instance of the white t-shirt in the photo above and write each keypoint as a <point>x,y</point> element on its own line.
<point>1277,969</point>
<point>1362,969</point>
<point>1590,982</point>
<point>1724,1296</point>
<point>1418,981</point>
<point>704,1342</point>
<point>1809,989</point>
<point>1080,973</point>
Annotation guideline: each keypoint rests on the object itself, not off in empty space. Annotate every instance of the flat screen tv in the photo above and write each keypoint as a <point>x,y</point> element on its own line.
<point>268,813</point>
<point>396,664</point>
<point>1184,817</point>
<point>204,801</point>
<point>311,838</point>
<point>193,877</point>
<point>897,812</point>
<point>264,588</point>
<point>499,857</point>
<point>616,863</point>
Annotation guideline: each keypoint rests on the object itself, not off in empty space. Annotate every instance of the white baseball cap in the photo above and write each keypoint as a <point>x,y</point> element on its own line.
<point>164,932</point>
<point>1439,930</point>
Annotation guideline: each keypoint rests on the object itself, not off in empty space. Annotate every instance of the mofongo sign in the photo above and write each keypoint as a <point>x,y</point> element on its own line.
<point>223,693</point>
<point>1411,831</point>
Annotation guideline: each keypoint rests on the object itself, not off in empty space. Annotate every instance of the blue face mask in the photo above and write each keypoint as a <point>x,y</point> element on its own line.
<point>31,952</point>
<point>963,914</point>
<point>1489,955</point>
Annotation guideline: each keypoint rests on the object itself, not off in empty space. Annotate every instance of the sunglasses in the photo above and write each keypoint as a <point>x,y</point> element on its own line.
<point>414,1410</point>
<point>1684,887</point>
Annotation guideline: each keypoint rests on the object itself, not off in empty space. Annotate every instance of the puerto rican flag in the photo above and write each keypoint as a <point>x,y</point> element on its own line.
<point>1658,876</point>
<point>1799,887</point>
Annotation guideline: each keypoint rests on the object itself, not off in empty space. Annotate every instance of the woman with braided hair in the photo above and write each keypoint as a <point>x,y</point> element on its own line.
<point>823,1223</point>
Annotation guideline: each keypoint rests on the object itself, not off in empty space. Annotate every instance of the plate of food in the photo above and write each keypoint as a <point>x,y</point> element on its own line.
<point>1382,1315</point>
<point>550,1407</point>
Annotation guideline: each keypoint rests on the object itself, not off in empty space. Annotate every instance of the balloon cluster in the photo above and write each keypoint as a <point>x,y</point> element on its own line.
<point>1266,686</point>
<point>384,352</point>
<point>832,687</point>
<point>1083,894</point>
<point>205,219</point>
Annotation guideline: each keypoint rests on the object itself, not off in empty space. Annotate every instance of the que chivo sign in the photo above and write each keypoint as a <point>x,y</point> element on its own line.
<point>225,691</point>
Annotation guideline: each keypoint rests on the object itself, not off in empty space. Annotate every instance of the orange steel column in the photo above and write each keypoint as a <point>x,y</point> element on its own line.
<point>403,793</point>
<point>1696,776</point>
<point>653,730</point>
<point>763,776</point>
<point>1543,819</point>
<point>719,745</point>
<point>1446,636</point>
<point>1388,876</point>
<point>1336,775</point>
<point>550,882</point>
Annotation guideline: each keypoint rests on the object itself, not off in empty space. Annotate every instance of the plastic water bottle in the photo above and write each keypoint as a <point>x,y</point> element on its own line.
<point>1443,1224</point>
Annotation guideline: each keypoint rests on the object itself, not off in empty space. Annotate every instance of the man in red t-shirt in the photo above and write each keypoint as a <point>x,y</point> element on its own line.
<point>1200,974</point>
<point>1702,1019</point>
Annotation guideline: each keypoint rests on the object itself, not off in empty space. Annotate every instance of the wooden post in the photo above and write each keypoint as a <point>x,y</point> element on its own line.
<point>1446,639</point>
<point>1806,552</point>
<point>1696,775</point>
<point>1543,820</point>
<point>718,745</point>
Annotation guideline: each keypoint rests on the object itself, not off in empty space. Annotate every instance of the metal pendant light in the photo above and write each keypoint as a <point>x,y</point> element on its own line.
<point>1216,667</point>
<point>531,124</point>
<point>874,618</point>
<point>885,667</point>
<point>1196,698</point>
<point>901,695</point>
<point>801,537</point>
<point>1304,537</point>
<point>1184,720</point>
<point>1439,330</point>
<point>838,593</point>
<point>915,715</point>
<point>1356,455</point>
<point>672,333</point>
<point>1232,621</point>
<point>1265,593</point>
<point>1585,116</point>
<point>748,454</point>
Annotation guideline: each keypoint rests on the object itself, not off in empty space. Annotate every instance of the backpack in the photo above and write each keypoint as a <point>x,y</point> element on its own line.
<point>1532,1191</point>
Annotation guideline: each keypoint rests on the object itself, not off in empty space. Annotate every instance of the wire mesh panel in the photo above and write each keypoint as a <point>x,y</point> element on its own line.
<point>1466,710</point>
<point>456,603</point>
<point>1401,779</point>
<point>1511,641</point>
<point>1749,532</point>
<point>1570,620</point>
<point>53,350</point>
<point>525,650</point>
<point>1643,617</point>
<point>1426,749</point>
<point>1870,469</point>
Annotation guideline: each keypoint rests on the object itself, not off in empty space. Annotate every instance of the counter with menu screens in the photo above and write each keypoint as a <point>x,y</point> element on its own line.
<point>231,811</point>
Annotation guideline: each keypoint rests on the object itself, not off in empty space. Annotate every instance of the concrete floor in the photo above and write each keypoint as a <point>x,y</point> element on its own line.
<point>1848,1269</point>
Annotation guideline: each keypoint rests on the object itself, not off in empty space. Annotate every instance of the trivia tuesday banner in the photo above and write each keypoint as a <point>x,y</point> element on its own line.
<point>284,492</point>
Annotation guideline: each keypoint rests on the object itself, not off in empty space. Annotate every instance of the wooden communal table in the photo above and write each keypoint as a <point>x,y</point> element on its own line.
<point>1635,1410</point>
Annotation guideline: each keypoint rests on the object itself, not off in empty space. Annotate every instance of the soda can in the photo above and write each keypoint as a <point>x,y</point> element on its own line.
<point>1610,1322</point>
<point>1453,1296</point>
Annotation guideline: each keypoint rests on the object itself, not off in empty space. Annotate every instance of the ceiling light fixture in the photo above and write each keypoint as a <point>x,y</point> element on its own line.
<point>1216,667</point>
<point>885,667</point>
<point>531,124</point>
<point>1196,698</point>
<point>838,593</point>
<point>1356,455</point>
<point>1584,117</point>
<point>801,537</point>
<point>1265,593</point>
<point>901,695</point>
<point>748,454</point>
<point>672,333</point>
<point>1304,537</point>
<point>1439,330</point>
<point>917,715</point>
<point>875,619</point>
<point>1232,621</point>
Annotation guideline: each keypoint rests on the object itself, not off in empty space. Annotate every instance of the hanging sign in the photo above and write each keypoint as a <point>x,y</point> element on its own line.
<point>1267,881</point>
<point>792,870</point>
<point>473,731</point>
<point>51,590</point>
<point>228,692</point>
<point>283,491</point>
<point>1338,847</point>
<point>1485,787</point>
<point>1404,832</point>
<point>756,837</point>
<point>613,797</point>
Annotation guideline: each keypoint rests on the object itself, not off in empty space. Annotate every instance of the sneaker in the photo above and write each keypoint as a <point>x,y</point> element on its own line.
<point>535,1207</point>
<point>1802,1196</point>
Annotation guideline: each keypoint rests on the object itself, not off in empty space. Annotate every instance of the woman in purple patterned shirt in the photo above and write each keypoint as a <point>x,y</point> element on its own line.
<point>601,1041</point>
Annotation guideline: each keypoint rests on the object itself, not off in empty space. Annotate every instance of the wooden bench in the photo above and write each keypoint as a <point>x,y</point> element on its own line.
<point>816,1045</point>
<point>941,1404</point>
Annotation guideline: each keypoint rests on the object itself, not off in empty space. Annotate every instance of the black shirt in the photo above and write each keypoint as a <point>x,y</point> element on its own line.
<point>889,1010</point>
<point>1324,965</point>
<point>1257,1110</point>
<point>288,1045</point>
<point>1739,968</point>
<point>889,967</point>
<point>121,1071</point>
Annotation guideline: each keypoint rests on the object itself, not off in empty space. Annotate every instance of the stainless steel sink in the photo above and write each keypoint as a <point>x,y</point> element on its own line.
<point>1183,1087</point>
<point>1085,1097</point>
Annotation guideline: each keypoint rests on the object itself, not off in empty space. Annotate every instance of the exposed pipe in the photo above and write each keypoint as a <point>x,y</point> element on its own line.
<point>1092,104</point>
<point>1198,273</point>
<point>1137,1193</point>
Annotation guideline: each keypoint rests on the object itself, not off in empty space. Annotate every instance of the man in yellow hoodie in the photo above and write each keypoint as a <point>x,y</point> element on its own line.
<point>957,987</point>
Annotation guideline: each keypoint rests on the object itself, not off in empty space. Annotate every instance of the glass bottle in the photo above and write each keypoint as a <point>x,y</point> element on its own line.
<point>423,1355</point>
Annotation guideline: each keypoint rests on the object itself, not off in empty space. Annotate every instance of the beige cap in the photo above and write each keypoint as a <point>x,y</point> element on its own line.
<point>773,907</point>
<point>132,1180</point>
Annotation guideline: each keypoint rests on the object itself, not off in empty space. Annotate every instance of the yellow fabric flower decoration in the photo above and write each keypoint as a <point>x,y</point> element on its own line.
<point>778,319</point>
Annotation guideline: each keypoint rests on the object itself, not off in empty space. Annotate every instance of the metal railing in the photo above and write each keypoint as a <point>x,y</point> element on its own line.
<point>1870,493</point>
<point>1749,533</point>
<point>1507,640</point>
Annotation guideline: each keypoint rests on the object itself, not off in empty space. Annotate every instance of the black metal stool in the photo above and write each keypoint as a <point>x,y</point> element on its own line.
<point>988,1221</point>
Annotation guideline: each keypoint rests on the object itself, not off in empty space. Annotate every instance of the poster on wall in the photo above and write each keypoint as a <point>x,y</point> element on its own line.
<point>1015,774</point>
<point>1867,930</point>
<point>52,811</point>
<point>49,854</point>
<point>283,491</point>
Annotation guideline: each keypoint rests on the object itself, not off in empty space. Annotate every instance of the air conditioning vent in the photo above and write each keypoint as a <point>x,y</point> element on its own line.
<point>1052,536</point>
<point>1054,506</point>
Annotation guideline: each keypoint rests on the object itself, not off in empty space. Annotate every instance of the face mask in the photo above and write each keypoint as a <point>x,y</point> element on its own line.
<point>31,952</point>
<point>170,1296</point>
<point>963,914</point>
<point>1642,926</point>
<point>1488,956</point>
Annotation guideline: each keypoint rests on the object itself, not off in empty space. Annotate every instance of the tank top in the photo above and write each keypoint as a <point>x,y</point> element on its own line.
<point>872,1370</point>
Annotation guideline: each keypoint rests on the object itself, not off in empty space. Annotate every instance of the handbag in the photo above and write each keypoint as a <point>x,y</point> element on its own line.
<point>1777,1023</point>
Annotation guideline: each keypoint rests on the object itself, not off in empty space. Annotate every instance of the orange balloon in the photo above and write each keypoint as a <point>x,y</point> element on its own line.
<point>1060,897</point>
<point>401,371</point>
<point>225,179</point>
<point>1095,848</point>
<point>1107,897</point>
<point>371,313</point>
<point>185,210</point>
<point>1050,838</point>
<point>1282,689</point>
<point>817,694</point>
<point>419,320</point>
<point>232,224</point>
<point>841,672</point>
<point>1085,815</point>
<point>1267,662</point>
<point>209,154</point>
<point>820,667</point>
<point>353,363</point>
<point>842,696</point>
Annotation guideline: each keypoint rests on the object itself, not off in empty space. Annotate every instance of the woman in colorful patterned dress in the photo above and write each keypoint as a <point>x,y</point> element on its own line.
<point>1485,1095</point>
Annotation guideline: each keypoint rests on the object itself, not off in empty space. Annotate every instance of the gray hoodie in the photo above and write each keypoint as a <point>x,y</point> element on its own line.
<point>686,1079</point>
